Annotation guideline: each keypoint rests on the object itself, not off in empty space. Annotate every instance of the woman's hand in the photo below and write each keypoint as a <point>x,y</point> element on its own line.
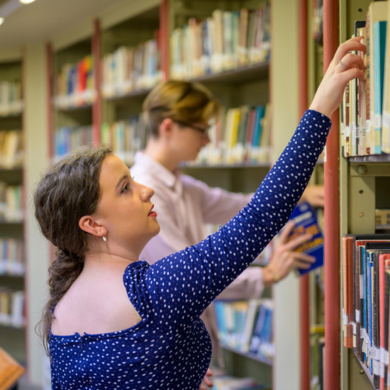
<point>284,259</point>
<point>206,381</point>
<point>330,92</point>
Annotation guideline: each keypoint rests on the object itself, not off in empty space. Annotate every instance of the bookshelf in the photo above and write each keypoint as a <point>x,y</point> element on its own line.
<point>364,185</point>
<point>251,84</point>
<point>12,259</point>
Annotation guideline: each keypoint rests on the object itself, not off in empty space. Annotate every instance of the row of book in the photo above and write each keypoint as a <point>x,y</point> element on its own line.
<point>366,298</point>
<point>131,68</point>
<point>365,114</point>
<point>246,326</point>
<point>11,149</point>
<point>75,84</point>
<point>223,41</point>
<point>11,99</point>
<point>11,257</point>
<point>11,203</point>
<point>125,137</point>
<point>67,139</point>
<point>12,308</point>
<point>239,135</point>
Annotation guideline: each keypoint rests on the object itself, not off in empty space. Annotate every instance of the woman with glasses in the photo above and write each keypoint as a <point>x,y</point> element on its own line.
<point>177,116</point>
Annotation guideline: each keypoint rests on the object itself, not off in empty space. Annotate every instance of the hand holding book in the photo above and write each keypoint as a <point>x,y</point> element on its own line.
<point>285,258</point>
<point>344,67</point>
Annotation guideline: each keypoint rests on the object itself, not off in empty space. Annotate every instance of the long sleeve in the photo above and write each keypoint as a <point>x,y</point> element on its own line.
<point>191,279</point>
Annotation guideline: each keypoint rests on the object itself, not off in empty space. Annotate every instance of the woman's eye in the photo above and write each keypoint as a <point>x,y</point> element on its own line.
<point>125,188</point>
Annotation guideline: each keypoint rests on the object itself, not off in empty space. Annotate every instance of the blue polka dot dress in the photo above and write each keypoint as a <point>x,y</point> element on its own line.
<point>170,348</point>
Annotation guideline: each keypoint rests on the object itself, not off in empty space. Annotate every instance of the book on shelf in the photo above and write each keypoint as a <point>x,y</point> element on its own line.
<point>11,206</point>
<point>305,220</point>
<point>382,218</point>
<point>386,91</point>
<point>11,149</point>
<point>366,278</point>
<point>11,257</point>
<point>316,369</point>
<point>246,326</point>
<point>12,308</point>
<point>126,137</point>
<point>75,84</point>
<point>128,69</point>
<point>66,139</point>
<point>11,99</point>
<point>239,135</point>
<point>227,382</point>
<point>223,41</point>
<point>364,124</point>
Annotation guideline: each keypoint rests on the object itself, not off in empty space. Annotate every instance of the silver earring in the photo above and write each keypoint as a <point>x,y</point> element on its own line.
<point>104,239</point>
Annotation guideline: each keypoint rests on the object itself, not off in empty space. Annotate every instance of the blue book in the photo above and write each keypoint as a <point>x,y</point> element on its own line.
<point>379,69</point>
<point>260,110</point>
<point>306,222</point>
<point>255,342</point>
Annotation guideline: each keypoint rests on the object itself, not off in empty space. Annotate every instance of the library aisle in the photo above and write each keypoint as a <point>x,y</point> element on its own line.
<point>76,73</point>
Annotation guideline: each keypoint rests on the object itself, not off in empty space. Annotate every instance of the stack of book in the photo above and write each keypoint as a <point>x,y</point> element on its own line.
<point>239,135</point>
<point>224,41</point>
<point>365,118</point>
<point>75,85</point>
<point>11,149</point>
<point>12,308</point>
<point>11,102</point>
<point>11,205</point>
<point>246,326</point>
<point>11,257</point>
<point>125,137</point>
<point>67,139</point>
<point>131,68</point>
<point>366,297</point>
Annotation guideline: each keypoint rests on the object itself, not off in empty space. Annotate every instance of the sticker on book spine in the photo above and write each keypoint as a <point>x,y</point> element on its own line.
<point>378,121</point>
<point>386,357</point>
<point>353,327</point>
<point>357,315</point>
<point>345,319</point>
<point>388,379</point>
<point>382,370</point>
<point>375,366</point>
<point>377,354</point>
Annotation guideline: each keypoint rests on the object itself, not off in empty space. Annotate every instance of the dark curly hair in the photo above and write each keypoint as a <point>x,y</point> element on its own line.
<point>68,191</point>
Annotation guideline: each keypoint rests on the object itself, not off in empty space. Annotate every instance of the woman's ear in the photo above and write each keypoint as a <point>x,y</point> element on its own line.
<point>165,128</point>
<point>89,225</point>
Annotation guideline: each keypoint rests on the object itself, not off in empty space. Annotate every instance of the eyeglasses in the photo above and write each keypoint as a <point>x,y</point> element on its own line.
<point>194,127</point>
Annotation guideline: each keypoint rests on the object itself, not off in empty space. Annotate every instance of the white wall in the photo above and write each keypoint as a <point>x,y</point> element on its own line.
<point>284,95</point>
<point>37,249</point>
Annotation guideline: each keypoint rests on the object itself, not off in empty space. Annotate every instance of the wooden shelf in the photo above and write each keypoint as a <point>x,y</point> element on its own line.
<point>238,75</point>
<point>248,355</point>
<point>74,108</point>
<point>140,93</point>
<point>227,166</point>
<point>376,158</point>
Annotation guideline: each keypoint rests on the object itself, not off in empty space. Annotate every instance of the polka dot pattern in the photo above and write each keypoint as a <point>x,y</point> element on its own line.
<point>170,348</point>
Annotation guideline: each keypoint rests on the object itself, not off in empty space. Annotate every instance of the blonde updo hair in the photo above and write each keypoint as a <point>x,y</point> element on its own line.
<point>182,101</point>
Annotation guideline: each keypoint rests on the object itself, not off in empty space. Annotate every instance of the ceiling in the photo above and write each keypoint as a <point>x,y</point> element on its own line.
<point>44,19</point>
